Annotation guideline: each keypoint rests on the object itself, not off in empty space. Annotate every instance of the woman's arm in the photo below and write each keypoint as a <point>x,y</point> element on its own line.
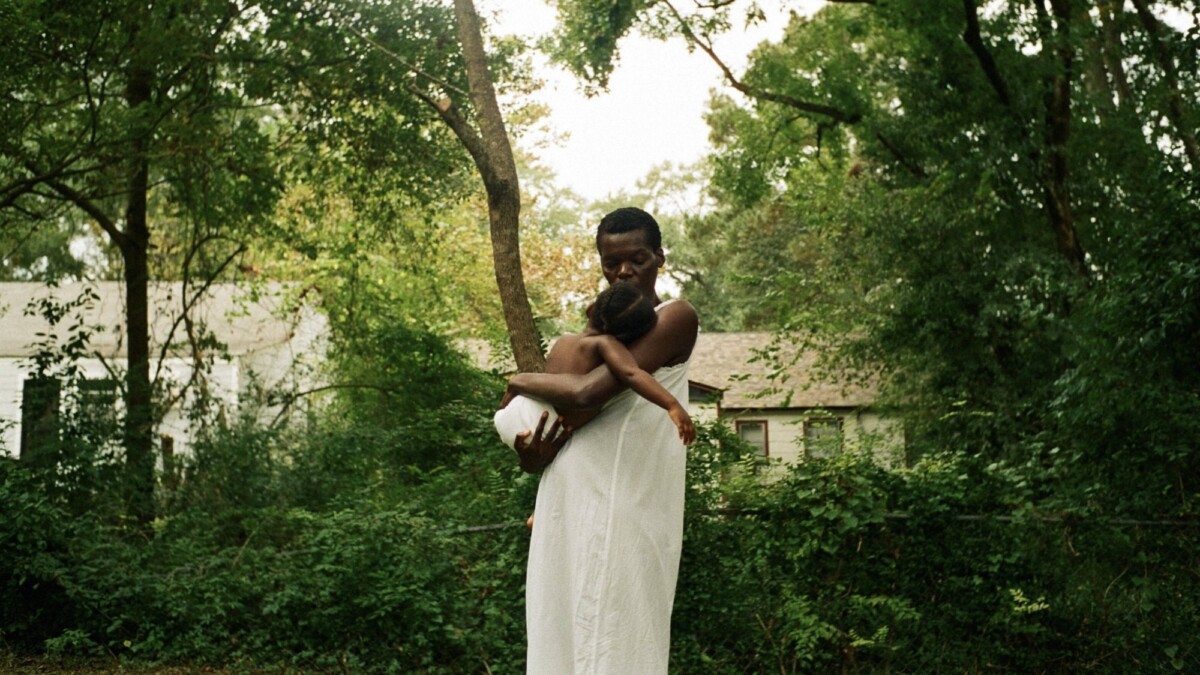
<point>668,343</point>
<point>622,364</point>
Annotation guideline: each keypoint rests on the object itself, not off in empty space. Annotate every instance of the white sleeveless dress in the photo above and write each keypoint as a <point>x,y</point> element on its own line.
<point>604,552</point>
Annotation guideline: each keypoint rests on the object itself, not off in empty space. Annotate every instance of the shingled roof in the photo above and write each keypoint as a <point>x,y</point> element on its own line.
<point>242,320</point>
<point>734,363</point>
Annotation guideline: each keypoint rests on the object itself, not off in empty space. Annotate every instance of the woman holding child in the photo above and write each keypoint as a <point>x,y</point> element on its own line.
<point>604,554</point>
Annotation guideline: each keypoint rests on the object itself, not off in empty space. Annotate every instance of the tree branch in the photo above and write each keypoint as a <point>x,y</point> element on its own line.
<point>188,304</point>
<point>33,228</point>
<point>407,66</point>
<point>15,189</point>
<point>1058,129</point>
<point>462,128</point>
<point>291,398</point>
<point>974,40</point>
<point>914,169</point>
<point>1171,81</point>
<point>1112,48</point>
<point>835,114</point>
<point>102,219</point>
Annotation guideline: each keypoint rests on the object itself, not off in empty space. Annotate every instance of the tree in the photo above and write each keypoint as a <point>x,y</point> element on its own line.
<point>115,107</point>
<point>967,198</point>
<point>173,128</point>
<point>459,86</point>
<point>489,147</point>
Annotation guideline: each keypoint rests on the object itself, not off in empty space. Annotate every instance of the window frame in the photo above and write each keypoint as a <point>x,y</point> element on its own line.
<point>766,433</point>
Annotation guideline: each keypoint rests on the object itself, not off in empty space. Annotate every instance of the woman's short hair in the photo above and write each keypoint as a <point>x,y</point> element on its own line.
<point>624,312</point>
<point>630,219</point>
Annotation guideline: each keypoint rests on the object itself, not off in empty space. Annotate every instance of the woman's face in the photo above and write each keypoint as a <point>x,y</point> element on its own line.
<point>627,259</point>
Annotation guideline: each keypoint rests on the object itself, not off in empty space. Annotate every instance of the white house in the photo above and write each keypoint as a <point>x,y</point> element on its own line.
<point>785,404</point>
<point>261,337</point>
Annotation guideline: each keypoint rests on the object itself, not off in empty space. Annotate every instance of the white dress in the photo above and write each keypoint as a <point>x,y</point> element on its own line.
<point>521,414</point>
<point>604,553</point>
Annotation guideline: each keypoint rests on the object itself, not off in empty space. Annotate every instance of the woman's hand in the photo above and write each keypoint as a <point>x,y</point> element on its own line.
<point>509,395</point>
<point>537,449</point>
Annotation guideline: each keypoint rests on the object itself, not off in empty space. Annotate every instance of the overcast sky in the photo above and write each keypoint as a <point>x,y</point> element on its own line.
<point>652,112</point>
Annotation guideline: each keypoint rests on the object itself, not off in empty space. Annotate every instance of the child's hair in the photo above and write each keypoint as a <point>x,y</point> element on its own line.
<point>624,312</point>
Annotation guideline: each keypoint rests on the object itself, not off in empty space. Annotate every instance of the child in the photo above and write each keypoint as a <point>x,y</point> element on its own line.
<point>620,315</point>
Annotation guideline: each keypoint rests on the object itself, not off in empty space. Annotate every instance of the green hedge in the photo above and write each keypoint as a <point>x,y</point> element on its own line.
<point>836,565</point>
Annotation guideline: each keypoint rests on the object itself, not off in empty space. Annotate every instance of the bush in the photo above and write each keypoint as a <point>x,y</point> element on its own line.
<point>833,565</point>
<point>843,567</point>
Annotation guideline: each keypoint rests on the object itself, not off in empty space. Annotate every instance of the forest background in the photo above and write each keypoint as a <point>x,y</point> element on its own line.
<point>991,207</point>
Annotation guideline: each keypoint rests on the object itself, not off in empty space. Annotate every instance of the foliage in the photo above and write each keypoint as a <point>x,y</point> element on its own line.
<point>842,566</point>
<point>964,198</point>
<point>44,254</point>
<point>901,180</point>
<point>834,565</point>
<point>588,34</point>
<point>171,133</point>
<point>341,542</point>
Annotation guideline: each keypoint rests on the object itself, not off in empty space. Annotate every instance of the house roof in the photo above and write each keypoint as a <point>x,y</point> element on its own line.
<point>755,371</point>
<point>243,319</point>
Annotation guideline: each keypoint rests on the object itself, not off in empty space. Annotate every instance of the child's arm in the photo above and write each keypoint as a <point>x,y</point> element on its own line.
<point>618,359</point>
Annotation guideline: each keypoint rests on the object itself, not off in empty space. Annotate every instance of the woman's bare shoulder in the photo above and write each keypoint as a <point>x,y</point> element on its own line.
<point>679,316</point>
<point>671,340</point>
<point>676,305</point>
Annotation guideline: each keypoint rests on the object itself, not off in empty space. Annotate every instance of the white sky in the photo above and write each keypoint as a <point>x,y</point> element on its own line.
<point>653,109</point>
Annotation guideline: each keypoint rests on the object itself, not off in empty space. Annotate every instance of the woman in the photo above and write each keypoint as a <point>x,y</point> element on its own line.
<point>604,554</point>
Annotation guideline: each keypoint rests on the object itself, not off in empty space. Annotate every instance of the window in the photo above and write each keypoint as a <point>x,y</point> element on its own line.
<point>79,408</point>
<point>97,418</point>
<point>700,394</point>
<point>822,436</point>
<point>39,420</point>
<point>753,432</point>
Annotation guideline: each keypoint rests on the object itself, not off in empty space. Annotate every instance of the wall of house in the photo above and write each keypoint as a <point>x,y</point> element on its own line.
<point>12,382</point>
<point>292,364</point>
<point>702,412</point>
<point>223,379</point>
<point>883,437</point>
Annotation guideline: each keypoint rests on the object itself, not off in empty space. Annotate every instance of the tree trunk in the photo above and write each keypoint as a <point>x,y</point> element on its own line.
<point>499,173</point>
<point>1056,193</point>
<point>1110,21</point>
<point>139,414</point>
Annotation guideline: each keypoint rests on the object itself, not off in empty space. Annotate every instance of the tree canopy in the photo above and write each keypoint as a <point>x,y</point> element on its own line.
<point>981,201</point>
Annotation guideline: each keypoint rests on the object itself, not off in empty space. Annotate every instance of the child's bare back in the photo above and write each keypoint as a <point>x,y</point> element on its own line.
<point>575,354</point>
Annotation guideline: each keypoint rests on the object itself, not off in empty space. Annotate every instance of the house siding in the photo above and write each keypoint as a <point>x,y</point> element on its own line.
<point>265,346</point>
<point>862,430</point>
